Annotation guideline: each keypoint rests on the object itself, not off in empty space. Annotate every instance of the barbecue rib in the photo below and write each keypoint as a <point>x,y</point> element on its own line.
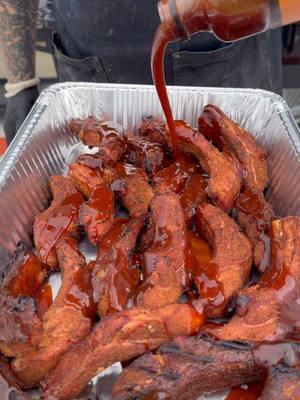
<point>229,269</point>
<point>59,219</point>
<point>147,235</point>
<point>114,278</point>
<point>154,131</point>
<point>97,213</point>
<point>188,368</point>
<point>268,311</point>
<point>90,130</point>
<point>192,195</point>
<point>254,216</point>
<point>20,324</point>
<point>174,262</point>
<point>85,179</point>
<point>167,261</point>
<point>173,178</point>
<point>133,189</point>
<point>256,318</point>
<point>67,321</point>
<point>225,183</point>
<point>25,274</point>
<point>118,337</point>
<point>225,133</point>
<point>106,135</point>
<point>144,154</point>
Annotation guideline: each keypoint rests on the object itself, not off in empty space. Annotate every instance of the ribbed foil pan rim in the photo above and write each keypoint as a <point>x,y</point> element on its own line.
<point>20,141</point>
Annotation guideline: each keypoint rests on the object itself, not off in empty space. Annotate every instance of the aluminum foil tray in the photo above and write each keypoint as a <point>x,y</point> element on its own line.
<point>44,146</point>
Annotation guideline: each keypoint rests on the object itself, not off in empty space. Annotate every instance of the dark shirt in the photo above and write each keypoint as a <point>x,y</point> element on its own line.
<point>110,41</point>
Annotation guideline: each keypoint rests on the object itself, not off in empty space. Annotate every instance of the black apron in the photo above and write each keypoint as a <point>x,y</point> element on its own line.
<point>110,41</point>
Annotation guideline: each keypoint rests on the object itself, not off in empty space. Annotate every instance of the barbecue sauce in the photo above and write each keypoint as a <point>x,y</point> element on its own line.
<point>161,40</point>
<point>102,202</point>
<point>27,279</point>
<point>281,276</point>
<point>229,20</point>
<point>114,279</point>
<point>193,194</point>
<point>175,177</point>
<point>98,210</point>
<point>44,299</point>
<point>80,293</point>
<point>59,221</point>
<point>205,276</point>
<point>124,171</point>
<point>202,252</point>
<point>251,391</point>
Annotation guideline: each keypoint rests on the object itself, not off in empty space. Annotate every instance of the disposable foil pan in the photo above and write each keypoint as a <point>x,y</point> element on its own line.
<point>44,145</point>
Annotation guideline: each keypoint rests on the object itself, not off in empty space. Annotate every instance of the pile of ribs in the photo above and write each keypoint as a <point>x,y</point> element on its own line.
<point>196,284</point>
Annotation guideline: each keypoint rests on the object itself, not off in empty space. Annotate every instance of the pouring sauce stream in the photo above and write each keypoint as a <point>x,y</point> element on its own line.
<point>161,40</point>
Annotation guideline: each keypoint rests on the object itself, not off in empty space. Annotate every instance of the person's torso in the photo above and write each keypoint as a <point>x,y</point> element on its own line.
<point>119,35</point>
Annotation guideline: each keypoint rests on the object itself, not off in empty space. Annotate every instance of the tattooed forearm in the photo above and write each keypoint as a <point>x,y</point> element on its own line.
<point>18,37</point>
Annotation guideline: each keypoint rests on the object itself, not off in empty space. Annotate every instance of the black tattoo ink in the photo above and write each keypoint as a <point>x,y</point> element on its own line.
<point>18,20</point>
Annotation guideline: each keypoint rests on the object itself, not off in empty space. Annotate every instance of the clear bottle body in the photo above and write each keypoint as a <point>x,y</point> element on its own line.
<point>229,20</point>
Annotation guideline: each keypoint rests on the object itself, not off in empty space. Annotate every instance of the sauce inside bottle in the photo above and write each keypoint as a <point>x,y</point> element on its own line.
<point>229,20</point>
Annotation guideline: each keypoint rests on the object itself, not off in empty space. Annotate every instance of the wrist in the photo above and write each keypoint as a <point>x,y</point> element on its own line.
<point>14,88</point>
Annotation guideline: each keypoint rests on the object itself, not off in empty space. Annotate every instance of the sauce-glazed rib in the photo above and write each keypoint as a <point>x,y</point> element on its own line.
<point>149,156</point>
<point>97,213</point>
<point>59,219</point>
<point>154,131</point>
<point>254,216</point>
<point>20,324</point>
<point>114,278</point>
<point>225,182</point>
<point>25,274</point>
<point>106,135</point>
<point>174,178</point>
<point>188,368</point>
<point>67,321</point>
<point>229,269</point>
<point>167,261</point>
<point>269,310</point>
<point>225,133</point>
<point>192,195</point>
<point>118,337</point>
<point>133,189</point>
